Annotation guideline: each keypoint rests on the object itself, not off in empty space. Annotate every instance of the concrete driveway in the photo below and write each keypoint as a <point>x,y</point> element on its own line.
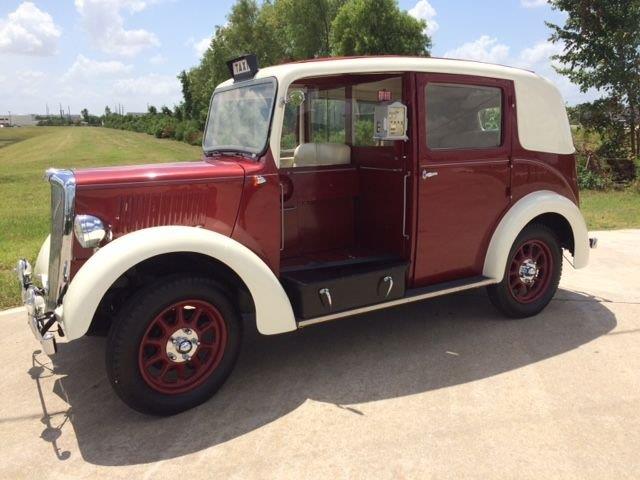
<point>445,388</point>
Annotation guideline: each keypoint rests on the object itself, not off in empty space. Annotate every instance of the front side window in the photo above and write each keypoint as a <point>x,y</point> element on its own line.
<point>240,117</point>
<point>463,116</point>
<point>327,114</point>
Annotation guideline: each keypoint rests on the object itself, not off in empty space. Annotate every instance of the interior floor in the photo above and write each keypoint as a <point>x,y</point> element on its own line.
<point>334,257</point>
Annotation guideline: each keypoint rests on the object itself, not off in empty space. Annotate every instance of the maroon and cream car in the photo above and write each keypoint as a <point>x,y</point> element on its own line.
<point>328,188</point>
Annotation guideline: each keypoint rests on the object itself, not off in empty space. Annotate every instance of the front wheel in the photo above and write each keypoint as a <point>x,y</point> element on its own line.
<point>173,345</point>
<point>532,273</point>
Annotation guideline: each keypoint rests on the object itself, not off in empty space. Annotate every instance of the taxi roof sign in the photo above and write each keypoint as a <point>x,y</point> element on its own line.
<point>244,67</point>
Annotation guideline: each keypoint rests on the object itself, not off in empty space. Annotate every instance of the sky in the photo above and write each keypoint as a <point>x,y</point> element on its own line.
<point>93,53</point>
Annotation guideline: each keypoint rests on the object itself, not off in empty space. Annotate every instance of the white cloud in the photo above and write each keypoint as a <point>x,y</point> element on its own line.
<point>484,49</point>
<point>533,3</point>
<point>29,31</point>
<point>199,46</point>
<point>158,59</point>
<point>423,10</point>
<point>103,21</point>
<point>84,67</point>
<point>540,52</point>
<point>151,85</point>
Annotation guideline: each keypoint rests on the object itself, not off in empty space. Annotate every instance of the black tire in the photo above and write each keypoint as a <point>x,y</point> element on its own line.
<point>508,299</point>
<point>133,324</point>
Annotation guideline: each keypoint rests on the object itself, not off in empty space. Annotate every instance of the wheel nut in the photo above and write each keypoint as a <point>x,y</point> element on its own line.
<point>172,356</point>
<point>186,357</point>
<point>187,331</point>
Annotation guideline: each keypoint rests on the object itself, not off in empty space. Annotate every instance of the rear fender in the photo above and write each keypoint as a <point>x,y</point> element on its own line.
<point>519,215</point>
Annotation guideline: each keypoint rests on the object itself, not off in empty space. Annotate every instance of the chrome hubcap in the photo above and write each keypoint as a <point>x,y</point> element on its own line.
<point>528,271</point>
<point>182,345</point>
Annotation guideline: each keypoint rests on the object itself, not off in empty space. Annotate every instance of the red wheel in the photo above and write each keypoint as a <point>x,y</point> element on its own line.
<point>173,344</point>
<point>182,346</point>
<point>532,273</point>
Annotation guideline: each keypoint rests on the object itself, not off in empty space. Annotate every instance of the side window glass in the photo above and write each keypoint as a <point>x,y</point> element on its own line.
<point>463,116</point>
<point>327,113</point>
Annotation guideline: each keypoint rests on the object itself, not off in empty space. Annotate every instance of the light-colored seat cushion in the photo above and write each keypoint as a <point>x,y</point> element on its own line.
<point>316,154</point>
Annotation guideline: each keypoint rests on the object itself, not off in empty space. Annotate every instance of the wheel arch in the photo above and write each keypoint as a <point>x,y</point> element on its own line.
<point>154,251</point>
<point>545,207</point>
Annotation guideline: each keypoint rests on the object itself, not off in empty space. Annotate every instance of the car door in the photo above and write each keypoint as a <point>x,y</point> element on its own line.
<point>464,135</point>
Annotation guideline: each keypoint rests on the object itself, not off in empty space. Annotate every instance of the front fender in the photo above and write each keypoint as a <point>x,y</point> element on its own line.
<point>273,309</point>
<point>519,215</point>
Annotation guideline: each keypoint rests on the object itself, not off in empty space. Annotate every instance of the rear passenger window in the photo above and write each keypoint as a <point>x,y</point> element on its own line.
<point>463,116</point>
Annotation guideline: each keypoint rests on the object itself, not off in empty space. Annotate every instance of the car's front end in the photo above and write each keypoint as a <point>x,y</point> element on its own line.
<point>43,287</point>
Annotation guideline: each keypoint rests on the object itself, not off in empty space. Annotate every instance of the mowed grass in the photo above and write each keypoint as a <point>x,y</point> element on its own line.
<point>612,209</point>
<point>25,153</point>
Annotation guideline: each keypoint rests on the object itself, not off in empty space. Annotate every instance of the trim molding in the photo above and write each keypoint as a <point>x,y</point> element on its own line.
<point>420,294</point>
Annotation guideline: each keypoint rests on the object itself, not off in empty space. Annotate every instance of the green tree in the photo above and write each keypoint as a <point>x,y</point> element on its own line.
<point>85,114</point>
<point>311,37</point>
<point>601,41</point>
<point>376,27</point>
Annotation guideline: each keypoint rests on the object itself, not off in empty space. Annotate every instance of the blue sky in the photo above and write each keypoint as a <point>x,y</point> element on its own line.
<point>92,53</point>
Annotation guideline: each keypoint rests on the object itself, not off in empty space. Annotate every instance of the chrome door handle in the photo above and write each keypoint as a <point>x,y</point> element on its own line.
<point>426,174</point>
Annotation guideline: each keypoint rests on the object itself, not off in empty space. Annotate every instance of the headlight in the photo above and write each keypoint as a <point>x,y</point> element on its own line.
<point>89,230</point>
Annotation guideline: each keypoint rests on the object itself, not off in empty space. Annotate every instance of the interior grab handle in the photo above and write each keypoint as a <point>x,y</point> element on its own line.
<point>404,206</point>
<point>281,216</point>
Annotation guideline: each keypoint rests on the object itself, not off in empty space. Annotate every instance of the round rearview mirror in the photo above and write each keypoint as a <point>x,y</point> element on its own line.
<point>295,97</point>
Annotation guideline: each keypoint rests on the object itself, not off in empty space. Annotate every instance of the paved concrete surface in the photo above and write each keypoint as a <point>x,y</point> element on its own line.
<point>443,389</point>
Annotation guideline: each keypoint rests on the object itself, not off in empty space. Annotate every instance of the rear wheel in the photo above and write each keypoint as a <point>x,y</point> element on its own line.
<point>532,273</point>
<point>173,345</point>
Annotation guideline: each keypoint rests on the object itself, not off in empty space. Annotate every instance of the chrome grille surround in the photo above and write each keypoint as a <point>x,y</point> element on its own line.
<point>63,193</point>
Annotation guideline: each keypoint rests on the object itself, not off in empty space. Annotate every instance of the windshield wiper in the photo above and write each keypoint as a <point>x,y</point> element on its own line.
<point>232,153</point>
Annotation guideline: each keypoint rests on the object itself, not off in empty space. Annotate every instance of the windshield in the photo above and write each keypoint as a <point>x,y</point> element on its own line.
<point>239,118</point>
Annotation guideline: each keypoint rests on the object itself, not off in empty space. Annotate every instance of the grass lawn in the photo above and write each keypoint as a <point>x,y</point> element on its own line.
<point>611,210</point>
<point>25,153</point>
<point>24,207</point>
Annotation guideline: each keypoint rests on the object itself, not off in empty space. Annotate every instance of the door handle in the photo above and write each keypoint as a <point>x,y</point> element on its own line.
<point>426,174</point>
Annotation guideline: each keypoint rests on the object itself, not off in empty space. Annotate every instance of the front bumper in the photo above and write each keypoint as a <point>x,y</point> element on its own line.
<point>38,320</point>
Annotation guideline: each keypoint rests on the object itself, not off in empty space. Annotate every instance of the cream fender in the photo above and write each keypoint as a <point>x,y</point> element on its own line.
<point>273,309</point>
<point>519,215</point>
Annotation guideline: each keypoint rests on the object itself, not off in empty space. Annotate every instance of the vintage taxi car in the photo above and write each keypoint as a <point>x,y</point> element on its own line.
<point>327,188</point>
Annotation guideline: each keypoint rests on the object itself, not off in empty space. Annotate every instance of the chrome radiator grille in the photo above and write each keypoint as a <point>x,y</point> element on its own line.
<point>62,207</point>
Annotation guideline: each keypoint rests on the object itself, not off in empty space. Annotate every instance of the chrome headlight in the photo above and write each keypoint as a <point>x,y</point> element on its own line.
<point>89,230</point>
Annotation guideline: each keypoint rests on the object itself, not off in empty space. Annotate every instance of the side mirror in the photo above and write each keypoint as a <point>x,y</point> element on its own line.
<point>295,97</point>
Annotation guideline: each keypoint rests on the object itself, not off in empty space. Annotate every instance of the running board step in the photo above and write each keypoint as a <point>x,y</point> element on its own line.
<point>412,295</point>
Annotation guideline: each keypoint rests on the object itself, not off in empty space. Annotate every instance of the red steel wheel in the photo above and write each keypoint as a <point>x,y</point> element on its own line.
<point>530,271</point>
<point>182,346</point>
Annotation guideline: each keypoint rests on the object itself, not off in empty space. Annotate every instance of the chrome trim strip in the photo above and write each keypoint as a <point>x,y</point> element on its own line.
<point>393,303</point>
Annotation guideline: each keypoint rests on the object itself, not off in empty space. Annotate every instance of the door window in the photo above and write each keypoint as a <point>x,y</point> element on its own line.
<point>463,116</point>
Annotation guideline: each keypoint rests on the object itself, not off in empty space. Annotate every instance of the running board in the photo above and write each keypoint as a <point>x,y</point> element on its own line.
<point>413,295</point>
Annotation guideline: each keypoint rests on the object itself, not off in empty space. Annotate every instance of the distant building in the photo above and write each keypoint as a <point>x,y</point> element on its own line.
<point>18,120</point>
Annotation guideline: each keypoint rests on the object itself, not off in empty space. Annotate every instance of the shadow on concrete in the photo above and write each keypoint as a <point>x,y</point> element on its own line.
<point>407,350</point>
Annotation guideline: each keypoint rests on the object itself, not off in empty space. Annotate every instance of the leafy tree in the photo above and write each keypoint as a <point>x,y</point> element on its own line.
<point>85,114</point>
<point>375,27</point>
<point>601,42</point>
<point>311,37</point>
